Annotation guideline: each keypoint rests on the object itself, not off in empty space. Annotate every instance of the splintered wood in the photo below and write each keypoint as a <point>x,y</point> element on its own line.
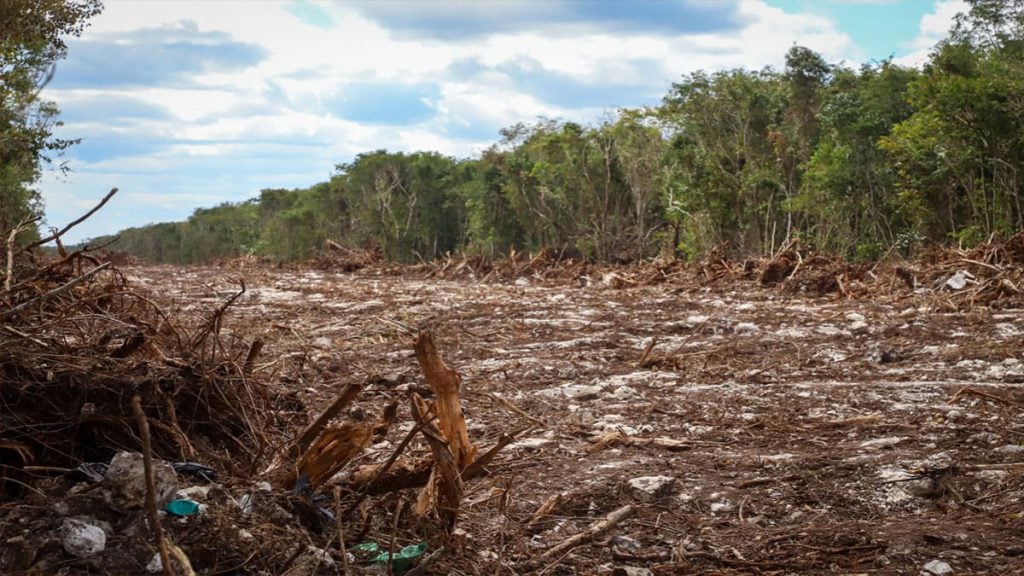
<point>444,488</point>
<point>326,449</point>
<point>446,384</point>
<point>333,449</point>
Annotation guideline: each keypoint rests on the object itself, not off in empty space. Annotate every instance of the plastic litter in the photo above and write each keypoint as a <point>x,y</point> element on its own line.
<point>182,507</point>
<point>403,558</point>
<point>959,280</point>
<point>91,471</point>
<point>195,470</point>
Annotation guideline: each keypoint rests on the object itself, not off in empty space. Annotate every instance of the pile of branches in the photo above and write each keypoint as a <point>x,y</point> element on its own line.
<point>77,342</point>
<point>338,257</point>
<point>91,366</point>
<point>989,274</point>
<point>547,265</point>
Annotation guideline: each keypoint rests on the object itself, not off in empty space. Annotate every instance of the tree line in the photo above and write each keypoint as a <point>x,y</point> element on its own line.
<point>855,161</point>
<point>32,41</point>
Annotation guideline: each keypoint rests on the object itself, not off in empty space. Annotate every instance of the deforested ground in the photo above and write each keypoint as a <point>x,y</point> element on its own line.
<point>840,419</point>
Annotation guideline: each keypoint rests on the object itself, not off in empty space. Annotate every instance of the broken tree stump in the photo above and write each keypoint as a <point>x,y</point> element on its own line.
<point>444,489</point>
<point>445,383</point>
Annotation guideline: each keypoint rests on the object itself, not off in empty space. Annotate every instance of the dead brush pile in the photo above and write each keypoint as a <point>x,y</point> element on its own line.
<point>990,274</point>
<point>77,342</point>
<point>92,368</point>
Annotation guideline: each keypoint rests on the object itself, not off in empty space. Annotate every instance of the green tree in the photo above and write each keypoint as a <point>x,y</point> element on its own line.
<point>847,194</point>
<point>960,156</point>
<point>725,158</point>
<point>32,40</point>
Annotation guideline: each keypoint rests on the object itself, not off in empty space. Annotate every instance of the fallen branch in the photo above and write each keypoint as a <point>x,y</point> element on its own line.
<point>618,437</point>
<point>182,559</point>
<point>74,223</point>
<point>348,394</point>
<point>968,390</point>
<point>379,471</point>
<point>477,466</point>
<point>647,352</point>
<point>147,462</point>
<point>426,562</point>
<point>515,409</point>
<point>60,289</point>
<point>551,506</point>
<point>594,531</point>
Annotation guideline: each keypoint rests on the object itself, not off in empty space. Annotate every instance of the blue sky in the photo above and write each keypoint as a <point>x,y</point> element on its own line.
<point>187,104</point>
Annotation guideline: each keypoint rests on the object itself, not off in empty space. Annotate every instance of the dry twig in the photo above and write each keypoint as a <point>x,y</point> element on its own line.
<point>147,462</point>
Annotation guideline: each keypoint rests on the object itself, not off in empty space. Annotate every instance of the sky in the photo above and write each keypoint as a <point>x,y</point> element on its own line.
<point>188,104</point>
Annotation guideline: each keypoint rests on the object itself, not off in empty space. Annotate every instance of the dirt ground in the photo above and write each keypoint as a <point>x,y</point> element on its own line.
<point>805,434</point>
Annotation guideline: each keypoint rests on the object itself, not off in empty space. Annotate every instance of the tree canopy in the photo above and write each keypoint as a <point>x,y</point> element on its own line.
<point>32,41</point>
<point>851,160</point>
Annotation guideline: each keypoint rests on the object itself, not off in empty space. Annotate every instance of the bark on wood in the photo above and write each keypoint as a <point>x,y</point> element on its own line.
<point>313,430</point>
<point>616,437</point>
<point>445,486</point>
<point>147,466</point>
<point>445,383</point>
<point>594,531</point>
<point>332,450</point>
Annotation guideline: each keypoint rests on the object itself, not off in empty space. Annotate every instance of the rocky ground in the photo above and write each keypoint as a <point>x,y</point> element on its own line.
<point>726,427</point>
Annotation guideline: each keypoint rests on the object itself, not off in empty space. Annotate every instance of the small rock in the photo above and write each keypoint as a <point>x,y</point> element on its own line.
<point>936,568</point>
<point>581,391</point>
<point>81,538</point>
<point>830,330</point>
<point>156,565</point>
<point>885,442</point>
<point>1010,449</point>
<point>624,546</point>
<point>859,327</point>
<point>264,486</point>
<point>881,354</point>
<point>535,443</point>
<point>623,393</point>
<point>721,507</point>
<point>631,571</point>
<point>855,317</point>
<point>193,492</point>
<point>651,488</point>
<point>521,281</point>
<point>746,328</point>
<point>126,481</point>
<point>959,280</point>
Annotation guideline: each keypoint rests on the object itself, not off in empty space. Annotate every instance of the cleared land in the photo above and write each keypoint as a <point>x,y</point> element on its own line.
<point>839,420</point>
<point>814,433</point>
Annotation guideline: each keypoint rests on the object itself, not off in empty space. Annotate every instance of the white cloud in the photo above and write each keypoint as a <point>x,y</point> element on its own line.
<point>934,27</point>
<point>222,125</point>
